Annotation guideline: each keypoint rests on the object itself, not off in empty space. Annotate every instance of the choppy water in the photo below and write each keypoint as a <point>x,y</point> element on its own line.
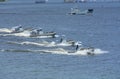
<point>100,30</point>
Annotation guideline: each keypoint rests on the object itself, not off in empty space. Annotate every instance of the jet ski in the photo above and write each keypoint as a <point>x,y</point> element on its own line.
<point>17,29</point>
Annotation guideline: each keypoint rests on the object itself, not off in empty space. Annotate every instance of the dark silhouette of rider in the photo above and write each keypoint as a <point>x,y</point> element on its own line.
<point>77,47</point>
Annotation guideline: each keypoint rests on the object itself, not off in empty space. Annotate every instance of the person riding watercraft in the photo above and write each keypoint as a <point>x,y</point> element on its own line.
<point>74,11</point>
<point>68,42</point>
<point>88,50</point>
<point>36,32</point>
<point>17,29</point>
<point>39,32</point>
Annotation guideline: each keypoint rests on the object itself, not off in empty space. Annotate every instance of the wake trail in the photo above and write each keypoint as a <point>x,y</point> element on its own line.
<point>57,51</point>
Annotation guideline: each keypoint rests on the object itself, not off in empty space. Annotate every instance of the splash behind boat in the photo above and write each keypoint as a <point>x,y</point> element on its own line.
<point>62,43</point>
<point>16,29</point>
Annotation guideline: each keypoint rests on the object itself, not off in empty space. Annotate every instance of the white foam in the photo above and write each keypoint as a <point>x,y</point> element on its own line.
<point>99,51</point>
<point>85,52</point>
<point>5,30</point>
<point>17,50</point>
<point>63,44</point>
<point>67,52</point>
<point>43,37</point>
<point>43,43</point>
<point>58,51</point>
<point>56,35</point>
<point>24,34</point>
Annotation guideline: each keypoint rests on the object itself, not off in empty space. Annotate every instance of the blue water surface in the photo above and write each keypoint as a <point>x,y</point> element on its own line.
<point>99,30</point>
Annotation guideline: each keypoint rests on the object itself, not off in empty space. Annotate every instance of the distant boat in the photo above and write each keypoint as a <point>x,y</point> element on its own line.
<point>40,1</point>
<point>76,11</point>
<point>69,1</point>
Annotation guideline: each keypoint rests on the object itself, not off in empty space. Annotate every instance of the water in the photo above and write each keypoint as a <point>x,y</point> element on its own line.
<point>100,30</point>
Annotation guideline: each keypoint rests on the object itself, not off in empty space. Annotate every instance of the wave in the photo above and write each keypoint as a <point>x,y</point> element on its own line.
<point>15,50</point>
<point>53,51</point>
<point>22,34</point>
<point>58,51</point>
<point>5,30</point>
<point>68,52</point>
<point>96,51</point>
<point>44,43</point>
